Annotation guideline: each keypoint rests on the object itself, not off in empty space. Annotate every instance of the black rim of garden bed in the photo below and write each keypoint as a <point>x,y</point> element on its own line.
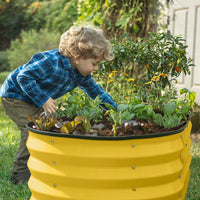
<point>91,137</point>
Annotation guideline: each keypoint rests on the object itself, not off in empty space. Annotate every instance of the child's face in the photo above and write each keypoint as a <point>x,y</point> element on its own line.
<point>86,66</point>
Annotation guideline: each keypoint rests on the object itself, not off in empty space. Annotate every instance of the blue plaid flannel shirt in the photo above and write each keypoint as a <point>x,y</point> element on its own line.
<point>49,74</point>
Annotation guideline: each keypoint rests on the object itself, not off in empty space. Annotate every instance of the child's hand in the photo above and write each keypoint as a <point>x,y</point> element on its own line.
<point>50,105</point>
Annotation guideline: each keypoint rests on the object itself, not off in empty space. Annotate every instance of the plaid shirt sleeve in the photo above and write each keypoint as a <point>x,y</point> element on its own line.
<point>92,89</point>
<point>39,67</point>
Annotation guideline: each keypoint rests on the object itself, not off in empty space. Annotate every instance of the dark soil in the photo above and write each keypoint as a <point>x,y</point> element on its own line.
<point>140,128</point>
<point>134,127</point>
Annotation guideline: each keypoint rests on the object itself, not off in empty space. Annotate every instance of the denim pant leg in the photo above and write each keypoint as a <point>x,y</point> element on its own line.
<point>18,110</point>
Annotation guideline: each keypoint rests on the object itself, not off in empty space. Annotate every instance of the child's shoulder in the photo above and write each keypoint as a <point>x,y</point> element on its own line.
<point>49,54</point>
<point>54,52</point>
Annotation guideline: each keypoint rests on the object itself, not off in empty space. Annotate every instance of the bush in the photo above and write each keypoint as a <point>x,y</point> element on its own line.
<point>53,15</point>
<point>4,65</point>
<point>11,19</point>
<point>31,42</point>
<point>3,76</point>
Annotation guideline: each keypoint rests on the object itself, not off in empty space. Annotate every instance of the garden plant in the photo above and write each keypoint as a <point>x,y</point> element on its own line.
<point>150,105</point>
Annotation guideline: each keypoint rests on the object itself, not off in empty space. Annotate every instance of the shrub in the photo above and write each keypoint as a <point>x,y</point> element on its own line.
<point>4,65</point>
<point>12,19</point>
<point>118,17</point>
<point>53,15</point>
<point>31,42</point>
<point>3,76</point>
<point>144,65</point>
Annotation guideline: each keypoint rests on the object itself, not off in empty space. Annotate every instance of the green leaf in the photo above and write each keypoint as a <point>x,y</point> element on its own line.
<point>123,36</point>
<point>192,96</point>
<point>183,90</point>
<point>169,108</point>
<point>122,107</point>
<point>138,107</point>
<point>136,28</point>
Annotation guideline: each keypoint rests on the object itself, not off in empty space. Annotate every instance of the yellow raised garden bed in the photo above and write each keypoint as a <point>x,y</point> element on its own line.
<point>72,167</point>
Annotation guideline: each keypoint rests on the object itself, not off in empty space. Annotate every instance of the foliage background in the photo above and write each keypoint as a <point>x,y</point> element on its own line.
<point>136,17</point>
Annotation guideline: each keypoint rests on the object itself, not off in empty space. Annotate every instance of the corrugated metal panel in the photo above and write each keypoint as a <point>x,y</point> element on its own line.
<point>81,169</point>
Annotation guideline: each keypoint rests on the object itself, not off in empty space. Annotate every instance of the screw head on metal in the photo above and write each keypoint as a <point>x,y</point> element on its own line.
<point>52,141</point>
<point>133,167</point>
<point>54,162</point>
<point>134,189</point>
<point>54,185</point>
<point>133,145</point>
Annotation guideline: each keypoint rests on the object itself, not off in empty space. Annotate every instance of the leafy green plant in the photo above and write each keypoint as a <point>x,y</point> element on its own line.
<point>118,17</point>
<point>22,49</point>
<point>12,19</point>
<point>3,76</point>
<point>4,65</point>
<point>118,116</point>
<point>152,101</point>
<point>49,122</point>
<point>52,15</point>
<point>163,54</point>
<point>44,121</point>
<point>76,103</point>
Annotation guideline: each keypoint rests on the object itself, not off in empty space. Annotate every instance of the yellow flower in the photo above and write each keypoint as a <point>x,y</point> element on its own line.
<point>125,74</point>
<point>114,71</point>
<point>155,78</point>
<point>111,75</point>
<point>7,1</point>
<point>130,79</point>
<point>147,83</point>
<point>163,75</point>
<point>110,81</point>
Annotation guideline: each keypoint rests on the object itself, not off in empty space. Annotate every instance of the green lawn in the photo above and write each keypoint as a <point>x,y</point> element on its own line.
<point>9,140</point>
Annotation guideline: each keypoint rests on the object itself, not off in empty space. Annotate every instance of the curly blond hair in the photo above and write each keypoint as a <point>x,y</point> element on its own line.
<point>85,41</point>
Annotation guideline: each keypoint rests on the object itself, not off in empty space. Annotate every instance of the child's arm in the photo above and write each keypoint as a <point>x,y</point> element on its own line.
<point>92,89</point>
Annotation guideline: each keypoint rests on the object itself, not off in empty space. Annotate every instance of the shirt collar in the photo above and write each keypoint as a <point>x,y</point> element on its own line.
<point>66,62</point>
<point>74,73</point>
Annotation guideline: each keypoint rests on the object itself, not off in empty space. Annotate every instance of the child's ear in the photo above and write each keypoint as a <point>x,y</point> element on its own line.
<point>77,59</point>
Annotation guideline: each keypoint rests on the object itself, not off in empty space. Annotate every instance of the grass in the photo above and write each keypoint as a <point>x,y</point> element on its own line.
<point>9,141</point>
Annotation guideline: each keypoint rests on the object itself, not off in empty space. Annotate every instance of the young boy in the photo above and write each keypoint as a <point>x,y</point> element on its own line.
<point>34,86</point>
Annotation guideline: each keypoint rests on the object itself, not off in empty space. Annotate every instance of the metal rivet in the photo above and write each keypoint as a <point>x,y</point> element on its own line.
<point>54,162</point>
<point>133,145</point>
<point>54,185</point>
<point>180,156</point>
<point>181,136</point>
<point>134,189</point>
<point>180,176</point>
<point>180,195</point>
<point>133,167</point>
<point>52,141</point>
